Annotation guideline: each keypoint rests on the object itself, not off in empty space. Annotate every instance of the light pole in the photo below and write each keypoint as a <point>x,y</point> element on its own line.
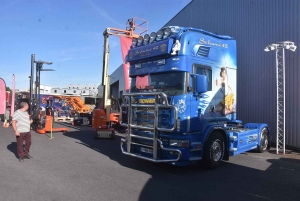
<point>280,82</point>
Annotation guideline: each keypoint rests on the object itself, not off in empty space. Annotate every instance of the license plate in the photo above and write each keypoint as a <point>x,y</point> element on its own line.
<point>105,135</point>
<point>146,150</point>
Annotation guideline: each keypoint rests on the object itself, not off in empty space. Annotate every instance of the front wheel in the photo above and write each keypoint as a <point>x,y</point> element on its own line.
<point>113,135</point>
<point>264,140</point>
<point>214,150</point>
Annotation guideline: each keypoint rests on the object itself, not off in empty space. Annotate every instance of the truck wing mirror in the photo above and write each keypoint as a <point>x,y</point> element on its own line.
<point>200,83</point>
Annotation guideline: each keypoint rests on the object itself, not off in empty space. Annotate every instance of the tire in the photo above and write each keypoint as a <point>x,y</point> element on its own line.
<point>214,150</point>
<point>264,140</point>
<point>113,135</point>
<point>95,135</point>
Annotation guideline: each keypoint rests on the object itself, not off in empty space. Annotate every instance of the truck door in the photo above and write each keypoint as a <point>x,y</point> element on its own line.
<point>206,104</point>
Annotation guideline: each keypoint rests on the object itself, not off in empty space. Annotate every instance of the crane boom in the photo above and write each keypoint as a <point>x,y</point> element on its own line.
<point>133,30</point>
<point>105,77</point>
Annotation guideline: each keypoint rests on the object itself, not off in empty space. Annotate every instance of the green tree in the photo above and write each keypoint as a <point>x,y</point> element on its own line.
<point>8,89</point>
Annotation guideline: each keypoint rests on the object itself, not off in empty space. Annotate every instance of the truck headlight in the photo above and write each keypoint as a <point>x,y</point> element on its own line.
<point>179,143</point>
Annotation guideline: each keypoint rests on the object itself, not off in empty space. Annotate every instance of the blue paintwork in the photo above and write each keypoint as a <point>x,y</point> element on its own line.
<point>199,116</point>
<point>159,48</point>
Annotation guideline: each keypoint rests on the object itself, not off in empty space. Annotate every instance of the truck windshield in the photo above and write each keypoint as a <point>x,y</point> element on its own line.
<point>171,83</point>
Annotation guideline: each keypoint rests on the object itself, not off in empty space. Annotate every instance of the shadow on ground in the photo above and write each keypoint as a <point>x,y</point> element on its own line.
<point>279,181</point>
<point>13,148</point>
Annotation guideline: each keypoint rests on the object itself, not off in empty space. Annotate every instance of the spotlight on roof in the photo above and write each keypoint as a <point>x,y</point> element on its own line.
<point>293,48</point>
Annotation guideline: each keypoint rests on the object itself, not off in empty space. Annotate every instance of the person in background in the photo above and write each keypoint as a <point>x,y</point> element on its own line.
<point>6,117</point>
<point>21,125</point>
<point>65,110</point>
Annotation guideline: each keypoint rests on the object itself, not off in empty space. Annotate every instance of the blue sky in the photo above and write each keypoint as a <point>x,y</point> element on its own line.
<point>69,34</point>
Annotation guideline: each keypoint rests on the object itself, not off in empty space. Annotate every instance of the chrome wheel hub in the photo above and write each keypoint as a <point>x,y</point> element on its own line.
<point>216,150</point>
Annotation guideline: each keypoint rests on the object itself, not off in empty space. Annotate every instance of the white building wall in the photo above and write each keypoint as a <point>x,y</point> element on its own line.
<point>118,75</point>
<point>45,89</point>
<point>82,90</point>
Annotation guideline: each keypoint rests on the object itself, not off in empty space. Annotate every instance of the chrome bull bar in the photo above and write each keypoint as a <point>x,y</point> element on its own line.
<point>160,102</point>
<point>179,154</point>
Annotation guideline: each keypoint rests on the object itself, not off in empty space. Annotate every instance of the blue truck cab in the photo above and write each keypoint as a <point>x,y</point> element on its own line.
<point>182,105</point>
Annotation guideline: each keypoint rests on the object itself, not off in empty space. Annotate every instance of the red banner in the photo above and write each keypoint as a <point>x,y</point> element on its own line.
<point>125,46</point>
<point>2,96</point>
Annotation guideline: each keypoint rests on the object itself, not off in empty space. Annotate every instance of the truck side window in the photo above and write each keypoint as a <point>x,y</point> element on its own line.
<point>204,70</point>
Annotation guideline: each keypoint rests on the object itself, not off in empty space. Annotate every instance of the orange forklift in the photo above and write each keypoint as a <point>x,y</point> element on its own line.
<point>42,121</point>
<point>107,111</point>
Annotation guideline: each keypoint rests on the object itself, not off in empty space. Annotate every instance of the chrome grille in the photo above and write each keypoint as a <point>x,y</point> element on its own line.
<point>143,116</point>
<point>147,117</point>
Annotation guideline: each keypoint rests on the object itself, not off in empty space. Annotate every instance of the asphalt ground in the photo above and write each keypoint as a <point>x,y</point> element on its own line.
<point>74,166</point>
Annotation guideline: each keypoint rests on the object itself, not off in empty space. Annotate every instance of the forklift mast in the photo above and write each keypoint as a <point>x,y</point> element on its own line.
<point>34,94</point>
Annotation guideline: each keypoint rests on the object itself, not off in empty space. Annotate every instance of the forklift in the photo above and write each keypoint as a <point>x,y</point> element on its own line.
<point>42,121</point>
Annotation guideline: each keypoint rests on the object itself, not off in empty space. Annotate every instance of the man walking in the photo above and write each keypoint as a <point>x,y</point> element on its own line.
<point>21,125</point>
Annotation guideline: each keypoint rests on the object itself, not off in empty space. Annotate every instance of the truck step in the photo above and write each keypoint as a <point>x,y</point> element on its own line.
<point>195,158</point>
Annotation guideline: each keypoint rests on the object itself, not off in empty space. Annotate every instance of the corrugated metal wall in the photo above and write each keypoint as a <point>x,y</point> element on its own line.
<point>255,24</point>
<point>117,75</point>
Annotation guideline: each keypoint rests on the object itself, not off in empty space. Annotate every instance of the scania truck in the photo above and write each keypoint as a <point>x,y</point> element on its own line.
<point>182,103</point>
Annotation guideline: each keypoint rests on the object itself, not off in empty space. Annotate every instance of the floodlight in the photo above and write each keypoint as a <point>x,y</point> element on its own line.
<point>272,47</point>
<point>146,38</point>
<point>280,76</point>
<point>167,33</point>
<point>140,40</point>
<point>159,35</point>
<point>293,48</point>
<point>134,42</point>
<point>152,37</point>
